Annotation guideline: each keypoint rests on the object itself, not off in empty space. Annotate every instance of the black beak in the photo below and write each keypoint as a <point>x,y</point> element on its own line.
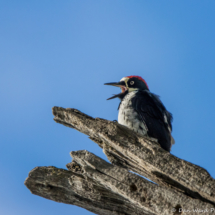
<point>120,84</point>
<point>116,84</point>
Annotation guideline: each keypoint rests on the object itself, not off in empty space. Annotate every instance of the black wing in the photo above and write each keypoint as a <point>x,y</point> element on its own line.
<point>158,120</point>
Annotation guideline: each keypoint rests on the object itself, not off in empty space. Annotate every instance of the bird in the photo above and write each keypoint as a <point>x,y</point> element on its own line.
<point>142,111</point>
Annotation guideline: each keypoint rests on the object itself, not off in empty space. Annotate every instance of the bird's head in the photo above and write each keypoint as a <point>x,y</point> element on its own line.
<point>129,84</point>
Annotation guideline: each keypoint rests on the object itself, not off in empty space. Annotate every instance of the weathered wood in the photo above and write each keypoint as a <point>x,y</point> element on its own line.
<point>103,188</point>
<point>139,191</point>
<point>142,155</point>
<point>71,188</point>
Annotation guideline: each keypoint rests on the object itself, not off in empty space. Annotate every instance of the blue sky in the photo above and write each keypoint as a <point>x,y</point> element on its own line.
<point>60,53</point>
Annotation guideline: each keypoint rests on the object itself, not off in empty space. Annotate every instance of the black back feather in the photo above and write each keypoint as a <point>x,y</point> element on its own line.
<point>151,110</point>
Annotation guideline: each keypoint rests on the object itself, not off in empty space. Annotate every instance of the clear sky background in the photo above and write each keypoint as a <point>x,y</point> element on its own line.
<point>60,53</point>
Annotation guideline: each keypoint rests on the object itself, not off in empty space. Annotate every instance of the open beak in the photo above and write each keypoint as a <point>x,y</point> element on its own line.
<point>120,84</point>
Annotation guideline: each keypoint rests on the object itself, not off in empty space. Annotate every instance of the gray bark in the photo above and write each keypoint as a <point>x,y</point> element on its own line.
<point>105,188</point>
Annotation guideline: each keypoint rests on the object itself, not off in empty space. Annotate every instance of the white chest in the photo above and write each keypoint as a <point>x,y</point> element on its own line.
<point>129,117</point>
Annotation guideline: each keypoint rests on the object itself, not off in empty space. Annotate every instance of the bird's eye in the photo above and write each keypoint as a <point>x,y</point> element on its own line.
<point>132,82</point>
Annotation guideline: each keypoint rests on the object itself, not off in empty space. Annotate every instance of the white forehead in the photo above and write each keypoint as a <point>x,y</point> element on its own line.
<point>124,79</point>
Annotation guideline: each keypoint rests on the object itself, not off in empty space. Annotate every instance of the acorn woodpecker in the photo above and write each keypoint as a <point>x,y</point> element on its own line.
<point>143,111</point>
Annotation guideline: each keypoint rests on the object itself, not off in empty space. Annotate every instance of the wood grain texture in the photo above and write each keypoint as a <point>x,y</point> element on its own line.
<point>114,188</point>
<point>71,188</point>
<point>142,155</point>
<point>103,188</point>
